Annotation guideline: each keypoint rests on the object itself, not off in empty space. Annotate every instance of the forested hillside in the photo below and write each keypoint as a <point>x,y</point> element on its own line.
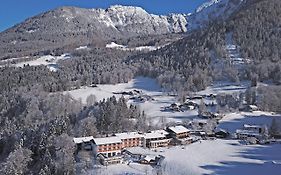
<point>37,122</point>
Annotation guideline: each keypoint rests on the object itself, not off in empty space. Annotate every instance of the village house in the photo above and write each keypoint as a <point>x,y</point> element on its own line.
<point>130,139</point>
<point>157,138</point>
<point>178,132</point>
<point>151,159</point>
<point>221,133</point>
<point>249,131</point>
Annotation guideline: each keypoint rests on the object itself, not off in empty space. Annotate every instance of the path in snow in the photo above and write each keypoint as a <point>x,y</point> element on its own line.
<point>233,53</point>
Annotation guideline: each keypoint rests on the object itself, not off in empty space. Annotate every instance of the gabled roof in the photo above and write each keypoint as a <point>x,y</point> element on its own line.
<point>247,132</point>
<point>178,129</point>
<point>107,140</point>
<point>83,139</point>
<point>252,126</point>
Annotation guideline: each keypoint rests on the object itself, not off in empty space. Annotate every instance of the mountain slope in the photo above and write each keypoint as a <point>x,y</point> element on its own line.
<point>67,26</point>
<point>213,10</point>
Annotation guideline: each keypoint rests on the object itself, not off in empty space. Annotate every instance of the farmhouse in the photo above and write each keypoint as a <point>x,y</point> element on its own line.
<point>178,132</point>
<point>248,131</point>
<point>221,133</point>
<point>256,128</point>
<point>157,138</point>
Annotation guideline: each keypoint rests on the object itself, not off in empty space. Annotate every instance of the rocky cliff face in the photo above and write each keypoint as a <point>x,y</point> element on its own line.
<point>67,26</point>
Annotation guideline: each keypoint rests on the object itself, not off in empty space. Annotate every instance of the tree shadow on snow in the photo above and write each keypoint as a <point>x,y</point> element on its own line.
<point>262,160</point>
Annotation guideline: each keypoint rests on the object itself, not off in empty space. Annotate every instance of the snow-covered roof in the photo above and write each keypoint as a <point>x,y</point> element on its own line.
<point>178,129</point>
<point>200,121</point>
<point>107,140</point>
<point>149,158</point>
<point>253,106</point>
<point>252,126</point>
<point>220,130</point>
<point>83,139</point>
<point>247,132</point>
<point>155,134</point>
<point>129,135</point>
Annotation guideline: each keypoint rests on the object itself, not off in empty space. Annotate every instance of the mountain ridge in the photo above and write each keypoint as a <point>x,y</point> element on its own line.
<point>70,27</point>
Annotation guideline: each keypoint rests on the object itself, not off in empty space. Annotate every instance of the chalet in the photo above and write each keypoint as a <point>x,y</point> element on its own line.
<point>108,146</point>
<point>221,133</point>
<point>250,131</point>
<point>84,143</point>
<point>130,139</point>
<point>151,159</point>
<point>178,132</point>
<point>256,128</point>
<point>245,134</point>
<point>200,122</point>
<point>174,107</point>
<point>188,106</point>
<point>249,108</point>
<point>157,138</point>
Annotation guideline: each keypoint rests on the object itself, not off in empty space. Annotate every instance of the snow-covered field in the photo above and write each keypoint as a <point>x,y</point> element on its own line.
<point>113,45</point>
<point>217,157</point>
<point>154,108</point>
<point>148,86</point>
<point>48,60</point>
<point>234,121</point>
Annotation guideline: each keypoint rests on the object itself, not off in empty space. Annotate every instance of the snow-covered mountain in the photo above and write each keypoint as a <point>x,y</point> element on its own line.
<point>72,27</point>
<point>118,21</point>
<point>69,26</point>
<point>213,10</point>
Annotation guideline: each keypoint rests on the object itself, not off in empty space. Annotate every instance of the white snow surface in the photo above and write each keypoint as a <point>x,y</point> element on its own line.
<point>153,109</point>
<point>212,10</point>
<point>82,48</point>
<point>83,139</point>
<point>48,60</point>
<point>113,45</point>
<point>216,157</point>
<point>179,129</point>
<point>107,140</point>
<point>233,121</point>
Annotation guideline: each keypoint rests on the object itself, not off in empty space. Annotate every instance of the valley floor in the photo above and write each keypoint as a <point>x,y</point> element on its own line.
<point>216,157</point>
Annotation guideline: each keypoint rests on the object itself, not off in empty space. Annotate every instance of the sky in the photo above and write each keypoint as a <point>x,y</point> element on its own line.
<point>16,11</point>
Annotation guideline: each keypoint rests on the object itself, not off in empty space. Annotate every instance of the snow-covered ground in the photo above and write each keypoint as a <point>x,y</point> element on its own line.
<point>225,87</point>
<point>48,60</point>
<point>113,45</point>
<point>233,53</point>
<point>233,121</point>
<point>217,157</point>
<point>149,86</point>
<point>82,48</point>
<point>212,10</point>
